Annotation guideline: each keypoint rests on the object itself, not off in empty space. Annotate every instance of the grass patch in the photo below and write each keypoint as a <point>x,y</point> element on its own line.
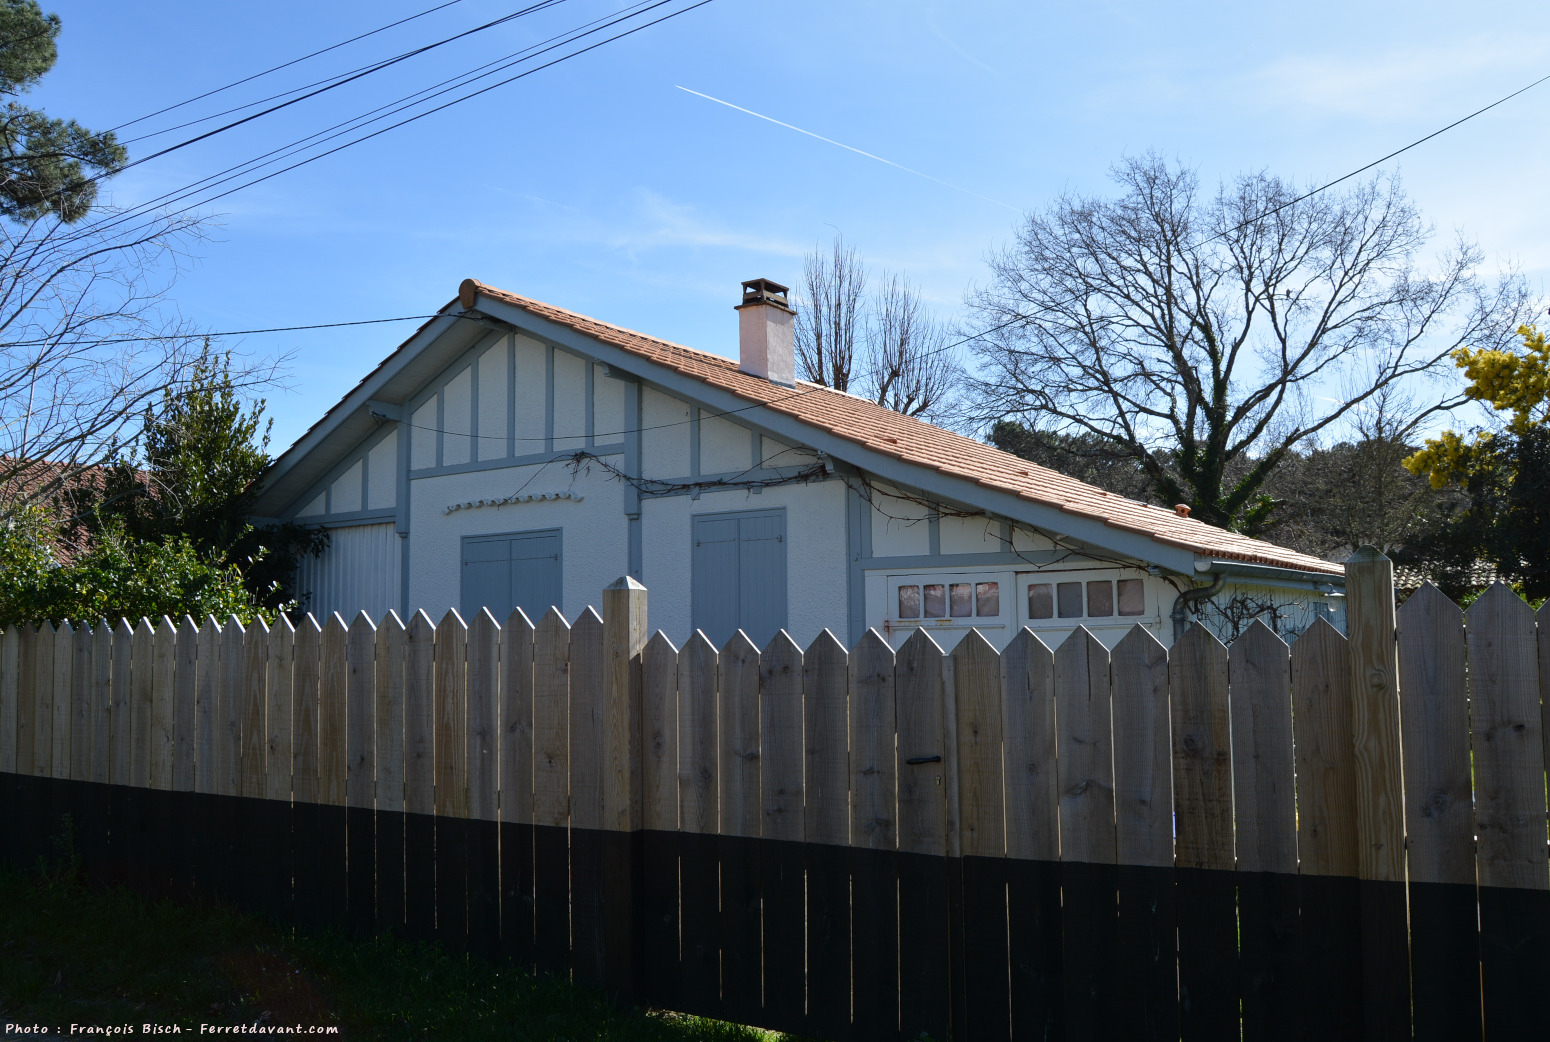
<point>73,953</point>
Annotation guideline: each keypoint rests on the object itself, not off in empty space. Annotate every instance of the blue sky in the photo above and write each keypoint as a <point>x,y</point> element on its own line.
<point>598,186</point>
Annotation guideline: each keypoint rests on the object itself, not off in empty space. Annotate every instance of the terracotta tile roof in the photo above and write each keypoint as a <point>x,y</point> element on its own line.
<point>914,441</point>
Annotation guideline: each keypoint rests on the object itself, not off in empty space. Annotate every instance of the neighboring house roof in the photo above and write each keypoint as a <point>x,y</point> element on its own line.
<point>1409,578</point>
<point>889,433</point>
<point>62,488</point>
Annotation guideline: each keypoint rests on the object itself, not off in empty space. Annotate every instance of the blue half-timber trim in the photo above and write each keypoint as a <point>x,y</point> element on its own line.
<point>473,407</point>
<point>1031,559</point>
<point>513,461</point>
<point>632,450</point>
<point>773,474</point>
<point>549,399</point>
<point>858,545</point>
<point>694,442</point>
<point>511,394</point>
<point>354,517</point>
<point>402,520</point>
<point>591,402</point>
<point>441,424</point>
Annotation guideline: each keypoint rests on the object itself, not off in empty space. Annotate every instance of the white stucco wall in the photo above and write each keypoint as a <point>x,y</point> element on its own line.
<point>594,540</point>
<point>900,527</point>
<point>815,556</point>
<point>725,447</point>
<point>970,535</point>
<point>532,394</point>
<point>494,387</point>
<point>570,401</point>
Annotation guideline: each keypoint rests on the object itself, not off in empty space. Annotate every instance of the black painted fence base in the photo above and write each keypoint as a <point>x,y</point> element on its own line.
<point>837,942</point>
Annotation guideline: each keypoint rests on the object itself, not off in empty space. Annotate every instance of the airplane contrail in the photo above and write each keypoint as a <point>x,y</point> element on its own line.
<point>849,148</point>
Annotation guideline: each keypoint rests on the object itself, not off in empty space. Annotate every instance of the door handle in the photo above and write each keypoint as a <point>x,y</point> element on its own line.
<point>916,761</point>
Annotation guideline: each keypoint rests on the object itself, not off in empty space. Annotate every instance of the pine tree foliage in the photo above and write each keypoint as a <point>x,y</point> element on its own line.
<point>50,165</point>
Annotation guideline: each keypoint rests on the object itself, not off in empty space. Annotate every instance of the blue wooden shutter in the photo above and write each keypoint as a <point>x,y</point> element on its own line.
<point>535,574</point>
<point>509,571</point>
<point>486,577</point>
<point>739,575</point>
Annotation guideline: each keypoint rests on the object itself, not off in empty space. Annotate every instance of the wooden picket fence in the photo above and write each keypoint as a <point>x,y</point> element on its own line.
<point>1341,839</point>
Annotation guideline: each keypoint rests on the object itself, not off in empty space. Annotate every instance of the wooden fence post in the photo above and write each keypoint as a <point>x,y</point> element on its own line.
<point>624,639</point>
<point>1380,803</point>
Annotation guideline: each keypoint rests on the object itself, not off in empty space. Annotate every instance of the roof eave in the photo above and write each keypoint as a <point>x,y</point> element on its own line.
<point>1269,574</point>
<point>276,489</point>
<point>1079,526</point>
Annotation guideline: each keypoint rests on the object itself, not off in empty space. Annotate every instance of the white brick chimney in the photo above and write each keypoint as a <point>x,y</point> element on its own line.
<point>766,333</point>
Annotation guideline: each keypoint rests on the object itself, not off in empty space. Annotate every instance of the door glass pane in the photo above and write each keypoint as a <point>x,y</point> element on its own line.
<point>963,605</point>
<point>1100,599</point>
<point>1070,597</point>
<point>987,599</point>
<point>1041,601</point>
<point>936,600</point>
<point>909,602</point>
<point>1132,597</point>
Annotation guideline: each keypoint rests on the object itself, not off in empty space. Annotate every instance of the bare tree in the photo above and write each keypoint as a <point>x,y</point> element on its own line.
<point>1207,335</point>
<point>884,346</point>
<point>87,341</point>
<point>909,368</point>
<point>829,322</point>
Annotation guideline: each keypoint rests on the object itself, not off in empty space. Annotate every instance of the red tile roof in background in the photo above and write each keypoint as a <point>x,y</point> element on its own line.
<point>922,444</point>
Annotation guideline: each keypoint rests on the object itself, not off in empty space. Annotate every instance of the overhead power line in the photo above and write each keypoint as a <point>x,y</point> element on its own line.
<point>381,112</point>
<point>360,74</point>
<point>232,332</point>
<point>1273,210</point>
<point>282,65</point>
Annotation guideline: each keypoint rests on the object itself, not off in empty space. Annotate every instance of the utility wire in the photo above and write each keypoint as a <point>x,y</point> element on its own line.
<point>815,388</point>
<point>1260,217</point>
<point>339,129</point>
<point>283,65</point>
<point>1385,159</point>
<point>233,332</point>
<point>367,71</point>
<point>938,350</point>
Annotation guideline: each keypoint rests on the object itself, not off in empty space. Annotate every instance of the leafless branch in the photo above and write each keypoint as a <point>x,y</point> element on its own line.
<point>67,400</point>
<point>1206,340</point>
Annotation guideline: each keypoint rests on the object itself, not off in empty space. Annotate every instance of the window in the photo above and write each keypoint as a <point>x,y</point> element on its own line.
<point>739,575</point>
<point>516,570</point>
<point>1080,597</point>
<point>947,600</point>
<point>984,602</point>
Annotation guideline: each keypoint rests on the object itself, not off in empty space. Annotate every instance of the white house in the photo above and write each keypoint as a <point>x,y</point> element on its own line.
<point>511,453</point>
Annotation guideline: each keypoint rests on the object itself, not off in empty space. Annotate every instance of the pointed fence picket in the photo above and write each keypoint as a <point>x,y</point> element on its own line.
<point>1085,841</point>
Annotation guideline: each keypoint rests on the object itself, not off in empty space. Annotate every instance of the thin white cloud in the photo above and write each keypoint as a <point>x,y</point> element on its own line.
<point>1398,82</point>
<point>965,55</point>
<point>661,222</point>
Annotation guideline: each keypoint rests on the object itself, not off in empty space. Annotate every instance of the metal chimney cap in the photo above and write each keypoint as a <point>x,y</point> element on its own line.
<point>765,291</point>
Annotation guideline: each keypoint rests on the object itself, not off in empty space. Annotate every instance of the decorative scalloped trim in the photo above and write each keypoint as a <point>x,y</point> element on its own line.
<point>515,497</point>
